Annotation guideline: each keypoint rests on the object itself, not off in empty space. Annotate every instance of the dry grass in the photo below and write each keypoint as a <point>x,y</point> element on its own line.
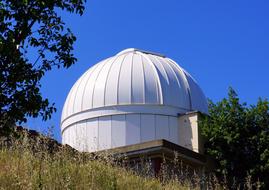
<point>23,168</point>
<point>28,165</point>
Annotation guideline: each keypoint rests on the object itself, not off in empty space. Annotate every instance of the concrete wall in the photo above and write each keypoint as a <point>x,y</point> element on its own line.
<point>190,136</point>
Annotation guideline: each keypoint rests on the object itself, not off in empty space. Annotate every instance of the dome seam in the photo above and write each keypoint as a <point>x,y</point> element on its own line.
<point>86,84</point>
<point>81,80</point>
<point>144,86</point>
<point>116,58</point>
<point>94,83</point>
<point>131,86</point>
<point>68,100</point>
<point>172,69</point>
<point>166,75</point>
<point>119,77</point>
<point>189,90</point>
<point>158,82</point>
<point>186,82</point>
<point>73,91</point>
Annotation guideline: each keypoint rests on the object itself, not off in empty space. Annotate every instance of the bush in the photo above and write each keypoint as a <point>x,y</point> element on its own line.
<point>238,138</point>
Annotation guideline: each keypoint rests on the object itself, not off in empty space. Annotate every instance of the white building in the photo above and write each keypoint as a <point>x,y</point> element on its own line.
<point>133,97</point>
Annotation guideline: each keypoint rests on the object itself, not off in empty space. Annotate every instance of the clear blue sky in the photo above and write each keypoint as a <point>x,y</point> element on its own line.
<point>220,43</point>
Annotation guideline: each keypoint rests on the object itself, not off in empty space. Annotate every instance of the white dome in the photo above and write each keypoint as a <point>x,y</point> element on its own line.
<point>133,81</point>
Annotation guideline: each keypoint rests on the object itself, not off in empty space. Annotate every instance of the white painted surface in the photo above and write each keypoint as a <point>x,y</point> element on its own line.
<point>104,133</point>
<point>132,97</point>
<point>125,80</point>
<point>92,134</point>
<point>148,78</point>
<point>189,132</point>
<point>174,130</point>
<point>133,129</point>
<point>138,83</point>
<point>100,84</point>
<point>73,135</point>
<point>118,131</point>
<point>162,127</point>
<point>111,98</point>
<point>81,136</point>
<point>121,109</point>
<point>147,127</point>
<point>151,86</point>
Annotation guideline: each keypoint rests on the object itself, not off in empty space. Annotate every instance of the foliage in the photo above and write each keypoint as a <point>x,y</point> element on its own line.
<point>32,26</point>
<point>238,138</point>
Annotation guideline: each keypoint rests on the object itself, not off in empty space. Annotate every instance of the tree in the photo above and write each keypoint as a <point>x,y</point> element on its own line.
<point>238,138</point>
<point>27,28</point>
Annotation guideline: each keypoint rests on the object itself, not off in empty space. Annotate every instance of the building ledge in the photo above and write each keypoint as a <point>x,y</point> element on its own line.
<point>160,148</point>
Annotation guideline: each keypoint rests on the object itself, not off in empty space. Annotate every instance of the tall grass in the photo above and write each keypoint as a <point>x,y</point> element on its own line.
<point>30,163</point>
<point>25,165</point>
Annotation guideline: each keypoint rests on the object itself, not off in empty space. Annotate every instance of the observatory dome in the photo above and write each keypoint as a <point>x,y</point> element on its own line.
<point>132,97</point>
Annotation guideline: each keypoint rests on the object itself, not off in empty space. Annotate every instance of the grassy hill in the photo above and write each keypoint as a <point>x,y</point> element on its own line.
<point>21,169</point>
<point>30,163</point>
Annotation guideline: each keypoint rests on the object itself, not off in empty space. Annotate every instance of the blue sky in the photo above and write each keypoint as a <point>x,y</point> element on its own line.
<point>220,43</point>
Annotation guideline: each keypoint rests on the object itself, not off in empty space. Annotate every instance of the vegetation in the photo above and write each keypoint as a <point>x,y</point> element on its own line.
<point>23,170</point>
<point>33,161</point>
<point>31,28</point>
<point>25,167</point>
<point>237,134</point>
<point>238,138</point>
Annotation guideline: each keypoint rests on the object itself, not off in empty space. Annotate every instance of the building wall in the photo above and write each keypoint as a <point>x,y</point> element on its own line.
<point>191,137</point>
<point>120,130</point>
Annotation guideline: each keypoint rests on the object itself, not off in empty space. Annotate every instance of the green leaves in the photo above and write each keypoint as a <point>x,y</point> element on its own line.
<point>238,138</point>
<point>32,26</point>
